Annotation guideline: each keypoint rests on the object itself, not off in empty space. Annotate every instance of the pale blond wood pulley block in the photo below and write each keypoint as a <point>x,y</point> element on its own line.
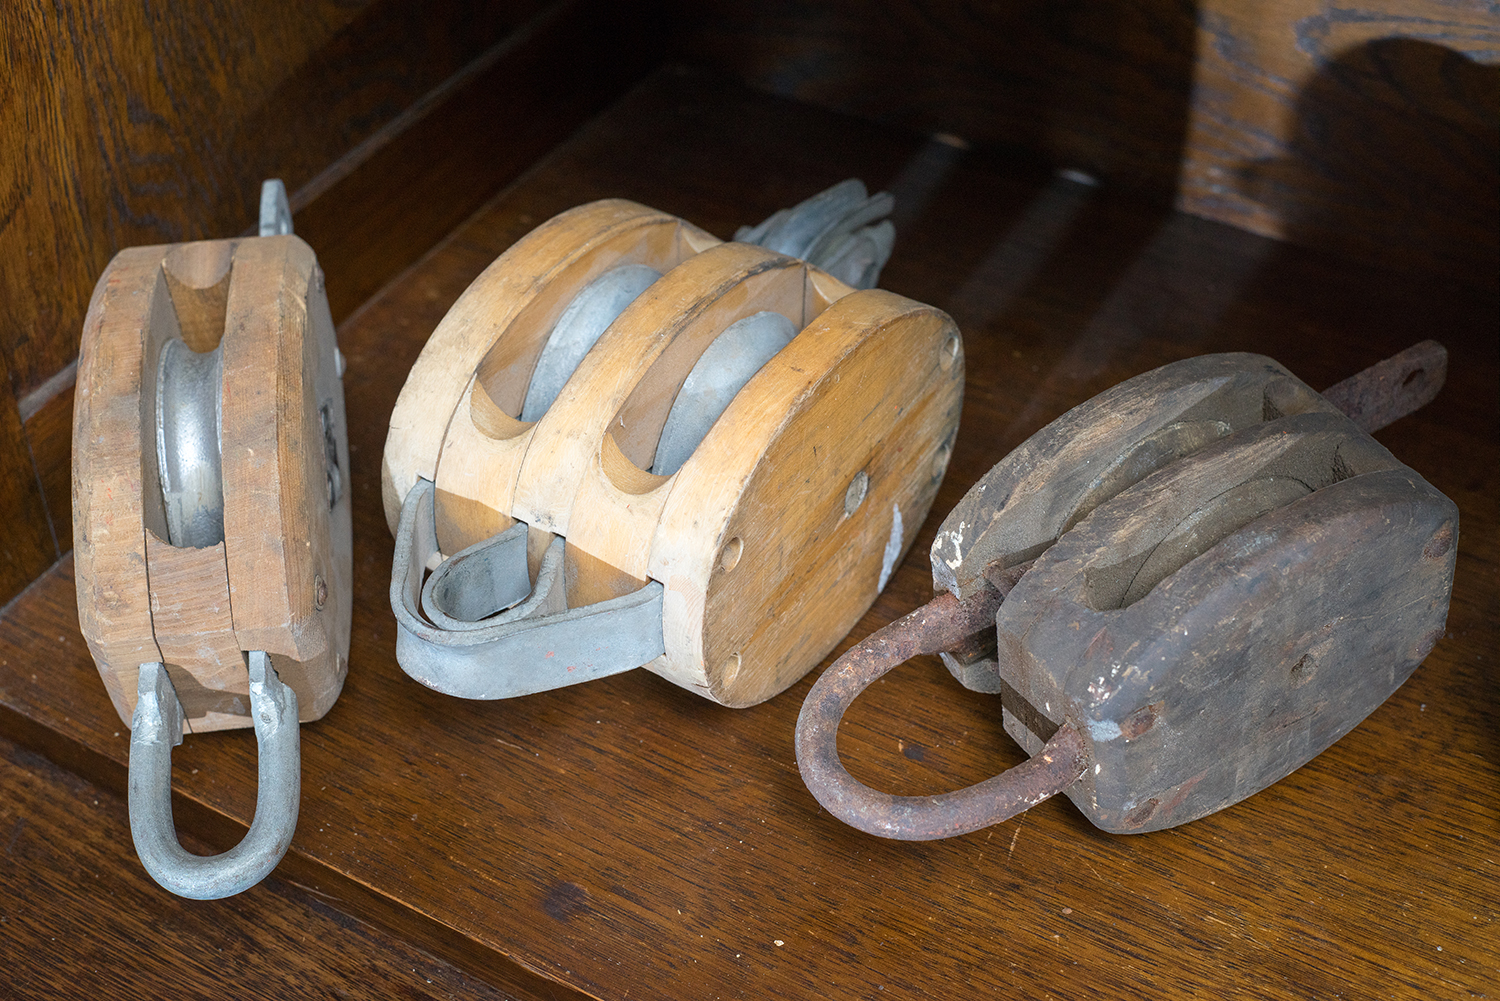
<point>750,537</point>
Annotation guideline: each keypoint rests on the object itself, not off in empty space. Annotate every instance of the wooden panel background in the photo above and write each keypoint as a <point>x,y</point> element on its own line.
<point>132,124</point>
<point>1101,87</point>
<point>1371,129</point>
<point>27,546</point>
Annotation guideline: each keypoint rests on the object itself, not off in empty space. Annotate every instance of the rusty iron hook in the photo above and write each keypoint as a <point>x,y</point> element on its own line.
<point>941,624</point>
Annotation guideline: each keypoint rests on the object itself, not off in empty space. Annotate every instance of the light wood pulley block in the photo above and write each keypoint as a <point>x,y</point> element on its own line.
<point>629,443</point>
<point>210,508</point>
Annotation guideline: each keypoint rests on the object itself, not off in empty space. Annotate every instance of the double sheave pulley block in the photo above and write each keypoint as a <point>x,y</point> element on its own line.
<point>1190,585</point>
<point>630,444</point>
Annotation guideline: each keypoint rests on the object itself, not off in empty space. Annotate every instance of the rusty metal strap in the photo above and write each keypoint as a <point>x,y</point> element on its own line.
<point>940,624</point>
<point>1389,390</point>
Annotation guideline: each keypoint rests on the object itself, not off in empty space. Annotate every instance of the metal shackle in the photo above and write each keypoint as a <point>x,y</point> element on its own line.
<point>156,728</point>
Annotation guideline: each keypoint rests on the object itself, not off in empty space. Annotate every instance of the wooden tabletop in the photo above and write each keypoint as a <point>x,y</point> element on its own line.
<point>627,839</point>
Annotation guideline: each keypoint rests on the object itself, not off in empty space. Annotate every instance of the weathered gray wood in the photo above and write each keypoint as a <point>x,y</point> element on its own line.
<point>1088,455</point>
<point>1100,447</point>
<point>1219,624</point>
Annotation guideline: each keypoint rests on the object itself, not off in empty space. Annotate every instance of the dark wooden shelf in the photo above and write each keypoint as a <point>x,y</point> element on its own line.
<point>81,918</point>
<point>626,839</point>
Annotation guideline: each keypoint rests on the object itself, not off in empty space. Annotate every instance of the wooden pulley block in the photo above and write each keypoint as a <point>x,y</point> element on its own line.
<point>629,443</point>
<point>1197,582</point>
<point>211,518</point>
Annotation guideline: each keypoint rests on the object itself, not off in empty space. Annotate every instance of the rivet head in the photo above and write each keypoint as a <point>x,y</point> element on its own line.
<point>729,556</point>
<point>1141,814</point>
<point>948,353</point>
<point>854,495</point>
<point>1437,547</point>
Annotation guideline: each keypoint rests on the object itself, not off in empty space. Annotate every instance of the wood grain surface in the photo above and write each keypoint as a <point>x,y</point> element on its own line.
<point>67,848</point>
<point>44,453</point>
<point>1097,86</point>
<point>1370,128</point>
<point>136,125</point>
<point>627,839</point>
<point>28,547</point>
<point>496,328</point>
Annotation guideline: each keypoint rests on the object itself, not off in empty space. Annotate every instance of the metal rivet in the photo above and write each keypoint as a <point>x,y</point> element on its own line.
<point>948,354</point>
<point>729,556</point>
<point>940,461</point>
<point>854,496</point>
<point>1141,814</point>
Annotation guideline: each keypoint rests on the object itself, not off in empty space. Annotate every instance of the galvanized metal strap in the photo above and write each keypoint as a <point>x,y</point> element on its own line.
<point>1389,390</point>
<point>534,646</point>
<point>155,728</point>
<point>275,211</point>
<point>940,624</point>
<point>843,230</point>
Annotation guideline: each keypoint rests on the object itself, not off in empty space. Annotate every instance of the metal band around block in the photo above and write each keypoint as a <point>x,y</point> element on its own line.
<point>534,646</point>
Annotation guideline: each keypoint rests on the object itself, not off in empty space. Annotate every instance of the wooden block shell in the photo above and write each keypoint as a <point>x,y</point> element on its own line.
<point>1049,482</point>
<point>764,569</point>
<point>1266,639</point>
<point>765,566</point>
<point>496,330</point>
<point>110,467</point>
<point>281,579</point>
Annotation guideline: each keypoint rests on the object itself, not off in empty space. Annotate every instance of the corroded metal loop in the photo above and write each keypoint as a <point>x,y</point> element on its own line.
<point>938,625</point>
<point>156,728</point>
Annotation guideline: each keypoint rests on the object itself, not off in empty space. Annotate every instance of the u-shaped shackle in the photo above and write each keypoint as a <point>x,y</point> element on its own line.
<point>941,624</point>
<point>155,728</point>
